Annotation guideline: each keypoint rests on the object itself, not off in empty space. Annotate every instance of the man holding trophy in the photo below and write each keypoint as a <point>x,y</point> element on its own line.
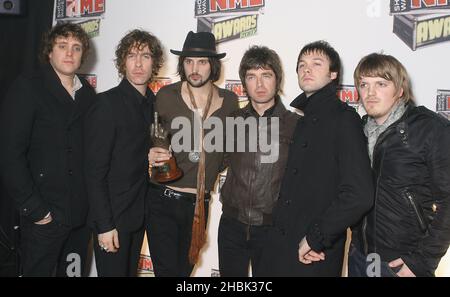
<point>117,143</point>
<point>178,204</point>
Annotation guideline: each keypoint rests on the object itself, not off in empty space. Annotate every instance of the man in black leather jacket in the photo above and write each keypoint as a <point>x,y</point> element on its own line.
<point>254,175</point>
<point>408,230</point>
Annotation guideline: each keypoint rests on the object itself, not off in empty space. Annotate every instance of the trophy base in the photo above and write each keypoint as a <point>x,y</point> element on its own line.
<point>162,178</point>
<point>168,172</point>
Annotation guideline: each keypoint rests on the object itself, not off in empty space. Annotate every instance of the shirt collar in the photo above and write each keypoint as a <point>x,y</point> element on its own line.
<point>77,85</point>
<point>276,110</point>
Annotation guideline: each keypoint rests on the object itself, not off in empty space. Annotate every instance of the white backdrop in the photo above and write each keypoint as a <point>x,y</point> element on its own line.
<point>354,27</point>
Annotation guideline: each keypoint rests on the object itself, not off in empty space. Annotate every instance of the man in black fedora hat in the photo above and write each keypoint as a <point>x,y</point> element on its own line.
<point>177,211</point>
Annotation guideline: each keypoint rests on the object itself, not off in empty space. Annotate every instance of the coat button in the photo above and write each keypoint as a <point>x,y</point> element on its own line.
<point>287,202</point>
<point>41,174</point>
<point>304,145</point>
<point>25,210</point>
<point>402,131</point>
<point>70,172</point>
<point>294,171</point>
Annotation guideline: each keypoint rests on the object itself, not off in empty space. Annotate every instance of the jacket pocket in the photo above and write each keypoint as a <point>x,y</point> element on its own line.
<point>417,209</point>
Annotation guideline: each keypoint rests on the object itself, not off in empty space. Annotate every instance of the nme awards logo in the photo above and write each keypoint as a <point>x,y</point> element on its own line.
<point>91,79</point>
<point>228,19</point>
<point>419,23</point>
<point>86,13</point>
<point>349,95</point>
<point>418,6</point>
<point>145,266</point>
<point>159,82</point>
<point>443,103</point>
<point>236,87</point>
<point>75,9</point>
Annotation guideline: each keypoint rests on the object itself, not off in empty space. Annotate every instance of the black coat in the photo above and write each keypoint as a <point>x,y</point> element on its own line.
<point>411,217</point>
<point>41,152</point>
<point>327,186</point>
<point>118,141</point>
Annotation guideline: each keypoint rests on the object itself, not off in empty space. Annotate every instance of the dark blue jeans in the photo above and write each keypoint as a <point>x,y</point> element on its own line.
<point>360,265</point>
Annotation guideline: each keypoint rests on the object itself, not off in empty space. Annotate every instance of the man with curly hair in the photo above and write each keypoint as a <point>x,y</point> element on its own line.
<point>41,156</point>
<point>117,143</point>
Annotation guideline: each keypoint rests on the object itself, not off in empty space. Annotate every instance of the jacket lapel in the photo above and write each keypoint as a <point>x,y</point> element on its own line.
<point>148,110</point>
<point>81,102</point>
<point>62,100</point>
<point>53,84</point>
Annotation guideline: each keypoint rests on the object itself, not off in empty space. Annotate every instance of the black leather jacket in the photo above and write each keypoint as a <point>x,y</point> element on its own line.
<point>251,187</point>
<point>411,215</point>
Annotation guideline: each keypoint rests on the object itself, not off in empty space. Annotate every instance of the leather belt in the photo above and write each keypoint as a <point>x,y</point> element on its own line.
<point>177,195</point>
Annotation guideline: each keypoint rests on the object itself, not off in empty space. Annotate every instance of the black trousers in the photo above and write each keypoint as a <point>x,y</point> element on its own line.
<point>125,261</point>
<point>239,245</point>
<point>54,249</point>
<point>169,233</point>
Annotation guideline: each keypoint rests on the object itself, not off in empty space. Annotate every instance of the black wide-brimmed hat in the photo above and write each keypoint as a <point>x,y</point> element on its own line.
<point>201,44</point>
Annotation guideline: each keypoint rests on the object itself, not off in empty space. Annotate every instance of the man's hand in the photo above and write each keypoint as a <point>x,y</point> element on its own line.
<point>109,241</point>
<point>404,271</point>
<point>47,219</point>
<point>306,255</point>
<point>157,156</point>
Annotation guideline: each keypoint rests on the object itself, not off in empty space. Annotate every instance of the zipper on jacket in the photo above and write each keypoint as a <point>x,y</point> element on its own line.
<point>417,211</point>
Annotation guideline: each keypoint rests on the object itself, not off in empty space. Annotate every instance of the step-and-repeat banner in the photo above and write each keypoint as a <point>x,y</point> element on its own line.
<point>417,32</point>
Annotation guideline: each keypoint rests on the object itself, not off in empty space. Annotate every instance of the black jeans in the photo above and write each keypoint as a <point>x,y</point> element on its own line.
<point>125,261</point>
<point>169,233</point>
<point>239,244</point>
<point>359,265</point>
<point>54,248</point>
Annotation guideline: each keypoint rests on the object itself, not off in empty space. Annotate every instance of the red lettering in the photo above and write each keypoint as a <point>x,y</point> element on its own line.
<point>241,3</point>
<point>99,5</point>
<point>156,85</point>
<point>71,8</point>
<point>448,102</point>
<point>256,3</point>
<point>428,3</point>
<point>86,6</point>
<point>348,95</point>
<point>214,3</point>
<point>233,4</point>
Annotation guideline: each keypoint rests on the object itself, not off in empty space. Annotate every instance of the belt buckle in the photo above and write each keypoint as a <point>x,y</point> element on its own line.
<point>168,192</point>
